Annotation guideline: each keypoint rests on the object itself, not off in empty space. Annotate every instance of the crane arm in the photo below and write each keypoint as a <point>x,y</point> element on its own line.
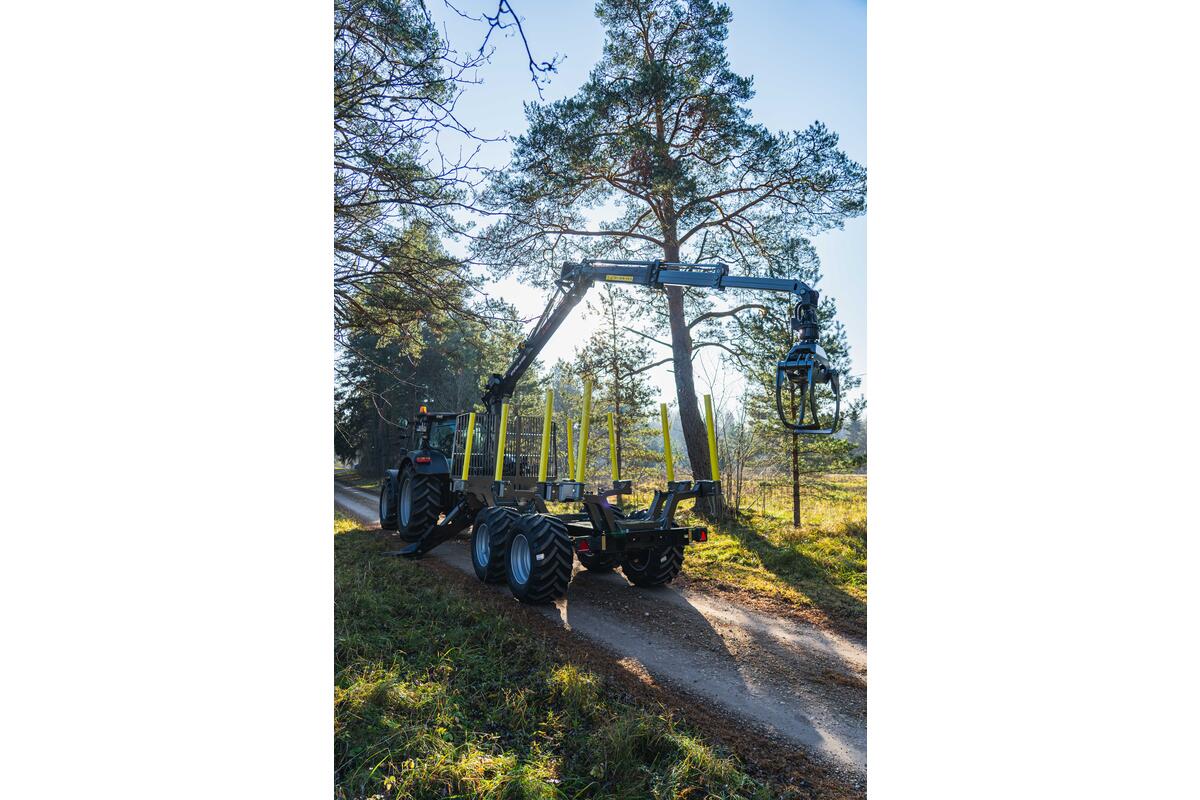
<point>803,366</point>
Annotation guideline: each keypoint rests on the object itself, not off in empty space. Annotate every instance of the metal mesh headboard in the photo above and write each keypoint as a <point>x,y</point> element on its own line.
<point>522,447</point>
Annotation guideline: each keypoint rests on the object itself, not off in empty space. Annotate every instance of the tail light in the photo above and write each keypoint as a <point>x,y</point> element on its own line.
<point>423,459</point>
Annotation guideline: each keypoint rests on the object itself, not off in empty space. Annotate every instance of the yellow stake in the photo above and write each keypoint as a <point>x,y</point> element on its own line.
<point>544,464</point>
<point>712,438</point>
<point>612,447</point>
<point>666,428</point>
<point>570,451</point>
<point>500,441</point>
<point>584,425</point>
<point>470,442</point>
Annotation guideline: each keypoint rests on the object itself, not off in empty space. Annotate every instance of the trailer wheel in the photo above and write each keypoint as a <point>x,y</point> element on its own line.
<point>653,567</point>
<point>598,562</point>
<point>493,531</point>
<point>387,502</point>
<point>420,500</point>
<point>539,559</point>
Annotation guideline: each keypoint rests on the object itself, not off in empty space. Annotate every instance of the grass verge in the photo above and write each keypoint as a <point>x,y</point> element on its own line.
<point>819,569</point>
<point>353,478</point>
<point>436,696</point>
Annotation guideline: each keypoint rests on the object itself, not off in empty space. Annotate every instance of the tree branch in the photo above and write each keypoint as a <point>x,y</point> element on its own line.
<point>729,313</point>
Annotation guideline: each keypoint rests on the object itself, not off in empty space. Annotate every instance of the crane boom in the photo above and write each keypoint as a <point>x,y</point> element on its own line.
<point>803,366</point>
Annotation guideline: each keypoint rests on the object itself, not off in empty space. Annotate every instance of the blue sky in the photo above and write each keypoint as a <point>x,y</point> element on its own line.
<point>808,60</point>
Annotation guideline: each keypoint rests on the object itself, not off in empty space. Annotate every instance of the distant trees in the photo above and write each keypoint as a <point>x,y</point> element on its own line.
<point>742,442</point>
<point>382,379</point>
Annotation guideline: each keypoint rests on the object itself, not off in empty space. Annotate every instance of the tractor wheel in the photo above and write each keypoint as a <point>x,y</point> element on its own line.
<point>493,531</point>
<point>653,567</point>
<point>387,503</point>
<point>420,500</point>
<point>539,559</point>
<point>598,562</point>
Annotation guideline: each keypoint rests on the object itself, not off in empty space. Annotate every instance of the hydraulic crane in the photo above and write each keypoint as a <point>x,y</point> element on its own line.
<point>802,369</point>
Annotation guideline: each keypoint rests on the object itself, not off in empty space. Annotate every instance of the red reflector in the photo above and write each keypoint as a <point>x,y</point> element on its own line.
<point>422,459</point>
<point>583,546</point>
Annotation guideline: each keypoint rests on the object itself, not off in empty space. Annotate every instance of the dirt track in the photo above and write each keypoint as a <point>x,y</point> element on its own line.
<point>798,683</point>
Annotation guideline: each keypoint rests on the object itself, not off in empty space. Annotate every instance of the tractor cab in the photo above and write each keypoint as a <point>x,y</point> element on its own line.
<point>434,430</point>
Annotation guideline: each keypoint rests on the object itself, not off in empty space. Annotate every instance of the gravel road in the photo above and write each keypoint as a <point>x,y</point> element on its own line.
<point>796,682</point>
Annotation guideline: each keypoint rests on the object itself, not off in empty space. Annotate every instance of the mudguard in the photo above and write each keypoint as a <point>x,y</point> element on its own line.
<point>437,464</point>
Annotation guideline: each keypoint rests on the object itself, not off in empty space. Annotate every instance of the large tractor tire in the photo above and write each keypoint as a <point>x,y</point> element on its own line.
<point>539,559</point>
<point>653,567</point>
<point>420,500</point>
<point>387,501</point>
<point>494,528</point>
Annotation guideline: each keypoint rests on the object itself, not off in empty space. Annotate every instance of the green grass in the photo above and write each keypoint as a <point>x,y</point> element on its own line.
<point>820,566</point>
<point>437,696</point>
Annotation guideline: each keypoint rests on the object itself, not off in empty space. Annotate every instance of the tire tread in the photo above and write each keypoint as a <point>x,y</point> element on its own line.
<point>430,495</point>
<point>502,522</point>
<point>658,570</point>
<point>548,578</point>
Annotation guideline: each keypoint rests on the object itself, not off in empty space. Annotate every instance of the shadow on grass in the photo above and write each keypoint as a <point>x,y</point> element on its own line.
<point>804,573</point>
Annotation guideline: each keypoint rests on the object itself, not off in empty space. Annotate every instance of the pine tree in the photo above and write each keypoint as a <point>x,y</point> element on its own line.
<point>661,131</point>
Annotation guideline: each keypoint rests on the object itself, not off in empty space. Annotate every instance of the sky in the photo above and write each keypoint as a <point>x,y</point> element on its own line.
<point>808,61</point>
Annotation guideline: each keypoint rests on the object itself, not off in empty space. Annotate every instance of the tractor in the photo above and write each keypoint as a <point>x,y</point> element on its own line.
<point>495,472</point>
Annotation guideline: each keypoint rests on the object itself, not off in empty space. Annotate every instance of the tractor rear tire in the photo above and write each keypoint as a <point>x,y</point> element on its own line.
<point>539,559</point>
<point>420,500</point>
<point>494,528</point>
<point>387,502</point>
<point>598,562</point>
<point>653,567</point>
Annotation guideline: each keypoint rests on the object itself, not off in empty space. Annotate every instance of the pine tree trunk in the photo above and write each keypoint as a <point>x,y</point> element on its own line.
<point>695,438</point>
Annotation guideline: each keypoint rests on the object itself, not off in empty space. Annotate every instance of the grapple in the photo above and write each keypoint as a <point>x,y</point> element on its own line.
<point>802,371</point>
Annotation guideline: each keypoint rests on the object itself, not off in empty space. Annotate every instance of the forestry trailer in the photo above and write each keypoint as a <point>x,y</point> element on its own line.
<point>496,473</point>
